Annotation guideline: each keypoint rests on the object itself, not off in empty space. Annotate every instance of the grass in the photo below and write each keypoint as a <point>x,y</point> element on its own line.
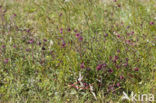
<point>53,51</point>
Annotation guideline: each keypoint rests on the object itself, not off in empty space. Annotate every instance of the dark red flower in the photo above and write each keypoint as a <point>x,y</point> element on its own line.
<point>43,48</point>
<point>77,35</point>
<point>6,61</point>
<point>82,66</point>
<point>69,29</point>
<point>61,30</point>
<point>63,44</point>
<point>118,84</point>
<point>80,38</point>
<point>3,46</point>
<point>152,23</point>
<point>99,67</point>
<point>121,77</point>
<point>31,41</point>
<point>136,69</point>
<point>28,50</point>
<point>106,35</point>
<point>110,70</point>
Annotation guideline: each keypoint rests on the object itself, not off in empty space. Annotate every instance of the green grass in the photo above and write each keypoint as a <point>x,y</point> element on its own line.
<point>46,44</point>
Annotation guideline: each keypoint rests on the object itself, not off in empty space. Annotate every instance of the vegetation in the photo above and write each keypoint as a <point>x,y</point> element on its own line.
<point>56,51</point>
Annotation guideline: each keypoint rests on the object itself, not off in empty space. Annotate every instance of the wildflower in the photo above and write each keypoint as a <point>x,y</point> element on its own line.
<point>136,69</point>
<point>118,84</point>
<point>51,42</point>
<point>127,59</point>
<point>14,46</point>
<point>28,50</point>
<point>69,29</point>
<point>39,43</point>
<point>105,35</point>
<point>110,70</point>
<point>60,14</point>
<point>132,32</point>
<point>67,0</point>
<point>77,35</point>
<point>151,23</point>
<point>43,48</point>
<point>118,51</point>
<point>63,44</point>
<point>61,30</point>
<point>75,31</point>
<point>80,38</point>
<point>88,69</point>
<point>111,88</point>
<point>116,57</point>
<point>118,36</point>
<point>31,41</point>
<point>6,61</point>
<point>14,15</point>
<point>117,66</point>
<point>128,27</point>
<point>99,67</point>
<point>121,77</point>
<point>28,31</point>
<point>45,40</point>
<point>3,46</point>
<point>125,64</point>
<point>82,66</point>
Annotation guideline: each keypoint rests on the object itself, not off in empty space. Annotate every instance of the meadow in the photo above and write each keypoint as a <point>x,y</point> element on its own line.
<point>76,51</point>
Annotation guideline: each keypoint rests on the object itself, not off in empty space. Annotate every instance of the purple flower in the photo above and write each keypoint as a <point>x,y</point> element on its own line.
<point>75,31</point>
<point>45,40</point>
<point>28,30</point>
<point>63,44</point>
<point>105,35</point>
<point>118,36</point>
<point>6,61</point>
<point>80,38</point>
<point>14,46</point>
<point>125,64</point>
<point>28,50</point>
<point>82,65</point>
<point>118,84</point>
<point>127,59</point>
<point>60,14</point>
<point>128,27</point>
<point>31,41</point>
<point>43,48</point>
<point>39,43</point>
<point>136,69</point>
<point>88,69</point>
<point>61,30</point>
<point>77,35</point>
<point>117,66</point>
<point>121,77</point>
<point>151,23</point>
<point>118,51</point>
<point>132,32</point>
<point>3,46</point>
<point>14,15</point>
<point>69,29</point>
<point>99,67</point>
<point>111,88</point>
<point>110,70</point>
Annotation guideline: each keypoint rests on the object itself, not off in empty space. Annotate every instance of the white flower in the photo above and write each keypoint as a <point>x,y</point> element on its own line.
<point>51,42</point>
<point>66,0</point>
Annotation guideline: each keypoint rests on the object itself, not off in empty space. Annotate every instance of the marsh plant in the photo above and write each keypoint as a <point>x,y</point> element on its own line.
<point>56,51</point>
